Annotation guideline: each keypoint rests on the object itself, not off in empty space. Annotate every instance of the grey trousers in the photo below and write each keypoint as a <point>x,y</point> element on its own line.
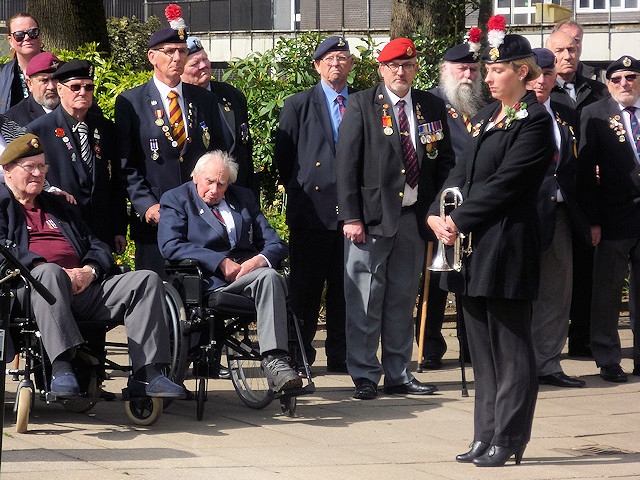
<point>135,298</point>
<point>381,286</point>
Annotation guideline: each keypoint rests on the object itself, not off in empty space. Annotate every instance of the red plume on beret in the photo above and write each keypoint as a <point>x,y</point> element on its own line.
<point>497,22</point>
<point>173,12</point>
<point>475,34</point>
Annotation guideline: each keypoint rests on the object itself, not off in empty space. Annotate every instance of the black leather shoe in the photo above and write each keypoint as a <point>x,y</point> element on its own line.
<point>477,449</point>
<point>497,456</point>
<point>560,379</point>
<point>365,389</point>
<point>414,387</point>
<point>636,370</point>
<point>613,373</point>
<point>432,362</point>
<point>337,367</point>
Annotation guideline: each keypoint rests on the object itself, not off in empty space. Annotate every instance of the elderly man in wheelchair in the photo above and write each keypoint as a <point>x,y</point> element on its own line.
<point>220,225</point>
<point>51,239</point>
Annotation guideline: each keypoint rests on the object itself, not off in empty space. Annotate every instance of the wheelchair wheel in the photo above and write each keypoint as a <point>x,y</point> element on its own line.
<point>247,376</point>
<point>144,411</point>
<point>24,398</point>
<point>201,397</point>
<point>179,342</point>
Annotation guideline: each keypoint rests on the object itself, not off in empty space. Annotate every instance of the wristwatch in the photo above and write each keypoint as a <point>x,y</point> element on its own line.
<point>95,270</point>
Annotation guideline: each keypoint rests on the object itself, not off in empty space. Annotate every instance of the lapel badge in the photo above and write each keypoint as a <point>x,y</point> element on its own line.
<point>154,102</point>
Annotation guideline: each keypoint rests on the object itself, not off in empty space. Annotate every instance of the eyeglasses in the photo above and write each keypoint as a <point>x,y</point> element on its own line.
<point>407,67</point>
<point>20,35</point>
<point>32,167</point>
<point>339,59</point>
<point>76,87</point>
<point>170,52</point>
<point>629,78</point>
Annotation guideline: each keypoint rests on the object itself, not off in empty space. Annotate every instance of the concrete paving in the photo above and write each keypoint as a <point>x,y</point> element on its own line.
<point>588,433</point>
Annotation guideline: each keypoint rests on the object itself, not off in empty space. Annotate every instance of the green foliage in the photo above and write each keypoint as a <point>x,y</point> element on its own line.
<point>430,53</point>
<point>128,40</point>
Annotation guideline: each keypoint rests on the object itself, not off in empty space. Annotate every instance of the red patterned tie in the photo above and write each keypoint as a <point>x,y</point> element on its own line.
<point>341,106</point>
<point>175,118</point>
<point>218,215</point>
<point>408,151</point>
<point>635,128</point>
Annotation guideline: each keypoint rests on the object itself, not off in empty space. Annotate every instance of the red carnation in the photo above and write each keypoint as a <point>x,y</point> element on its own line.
<point>59,132</point>
<point>497,22</point>
<point>475,34</point>
<point>173,12</point>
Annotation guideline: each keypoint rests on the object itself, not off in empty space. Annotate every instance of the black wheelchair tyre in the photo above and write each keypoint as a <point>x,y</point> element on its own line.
<point>179,367</point>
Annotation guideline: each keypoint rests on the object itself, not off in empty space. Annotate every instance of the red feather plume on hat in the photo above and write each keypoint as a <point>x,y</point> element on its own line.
<point>173,13</point>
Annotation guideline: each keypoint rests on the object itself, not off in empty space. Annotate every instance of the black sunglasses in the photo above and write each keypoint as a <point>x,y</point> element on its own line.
<point>629,78</point>
<point>20,35</point>
<point>76,87</point>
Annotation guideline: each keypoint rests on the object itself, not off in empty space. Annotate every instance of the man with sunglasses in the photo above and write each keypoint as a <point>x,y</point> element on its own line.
<point>80,145</point>
<point>610,160</point>
<point>394,153</point>
<point>163,127</point>
<point>25,43</point>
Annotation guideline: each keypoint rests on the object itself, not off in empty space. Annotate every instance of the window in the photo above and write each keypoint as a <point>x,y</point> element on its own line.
<point>522,12</point>
<point>606,5</point>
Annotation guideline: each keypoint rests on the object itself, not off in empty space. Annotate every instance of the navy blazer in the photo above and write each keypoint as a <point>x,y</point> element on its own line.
<point>370,166</point>
<point>305,156</point>
<point>13,227</point>
<point>26,111</point>
<point>150,164</point>
<point>613,202</point>
<point>190,230</point>
<point>101,197</point>
<point>499,175</point>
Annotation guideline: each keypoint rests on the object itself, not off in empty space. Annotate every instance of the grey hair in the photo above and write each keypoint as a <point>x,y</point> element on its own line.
<point>226,159</point>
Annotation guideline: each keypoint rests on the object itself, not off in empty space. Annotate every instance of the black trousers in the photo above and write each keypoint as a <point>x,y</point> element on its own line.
<point>504,368</point>
<point>317,257</point>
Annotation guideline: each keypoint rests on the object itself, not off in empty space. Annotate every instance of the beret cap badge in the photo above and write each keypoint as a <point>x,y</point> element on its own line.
<point>626,62</point>
<point>33,143</point>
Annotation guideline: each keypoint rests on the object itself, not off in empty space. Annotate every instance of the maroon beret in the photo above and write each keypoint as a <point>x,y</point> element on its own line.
<point>398,48</point>
<point>44,62</point>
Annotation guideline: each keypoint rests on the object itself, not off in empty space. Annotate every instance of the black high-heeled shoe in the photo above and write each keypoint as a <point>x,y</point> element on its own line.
<point>477,449</point>
<point>497,456</point>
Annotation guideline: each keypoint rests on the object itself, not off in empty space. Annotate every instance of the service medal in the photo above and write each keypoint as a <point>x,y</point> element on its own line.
<point>388,131</point>
<point>159,122</point>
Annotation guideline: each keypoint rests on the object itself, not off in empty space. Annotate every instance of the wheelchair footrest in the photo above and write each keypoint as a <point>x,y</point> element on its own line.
<point>296,392</point>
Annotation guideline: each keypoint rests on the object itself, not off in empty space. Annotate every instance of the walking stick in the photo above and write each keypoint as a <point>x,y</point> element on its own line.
<point>425,300</point>
<point>462,342</point>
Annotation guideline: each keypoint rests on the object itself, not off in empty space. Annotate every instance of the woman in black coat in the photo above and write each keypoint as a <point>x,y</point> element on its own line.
<point>499,176</point>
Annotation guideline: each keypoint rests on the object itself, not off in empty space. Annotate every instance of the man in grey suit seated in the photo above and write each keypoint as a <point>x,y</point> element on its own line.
<point>221,225</point>
<point>53,241</point>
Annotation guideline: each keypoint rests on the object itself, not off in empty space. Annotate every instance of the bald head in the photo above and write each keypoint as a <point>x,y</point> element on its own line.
<point>565,49</point>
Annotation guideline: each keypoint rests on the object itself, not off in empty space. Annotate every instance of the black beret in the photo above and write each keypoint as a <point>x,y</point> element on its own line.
<point>461,54</point>
<point>623,64</point>
<point>514,47</point>
<point>167,35</point>
<point>544,57</point>
<point>334,43</point>
<point>27,145</point>
<point>74,69</point>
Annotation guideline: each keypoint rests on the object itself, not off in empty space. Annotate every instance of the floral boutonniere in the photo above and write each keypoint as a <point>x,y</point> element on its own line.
<point>617,126</point>
<point>517,112</point>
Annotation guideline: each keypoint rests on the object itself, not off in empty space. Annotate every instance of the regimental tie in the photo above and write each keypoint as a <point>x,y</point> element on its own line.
<point>408,151</point>
<point>176,120</point>
<point>85,149</point>
<point>467,123</point>
<point>635,128</point>
<point>341,105</point>
<point>218,215</point>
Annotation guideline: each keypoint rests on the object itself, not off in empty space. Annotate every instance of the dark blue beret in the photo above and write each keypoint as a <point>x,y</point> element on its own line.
<point>544,57</point>
<point>623,64</point>
<point>74,69</point>
<point>461,54</point>
<point>514,47</point>
<point>167,35</point>
<point>334,43</point>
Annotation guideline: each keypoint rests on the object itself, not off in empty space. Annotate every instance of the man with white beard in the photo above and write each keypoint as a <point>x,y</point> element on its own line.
<point>461,89</point>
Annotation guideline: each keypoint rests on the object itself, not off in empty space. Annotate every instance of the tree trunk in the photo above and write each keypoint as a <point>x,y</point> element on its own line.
<point>436,18</point>
<point>68,24</point>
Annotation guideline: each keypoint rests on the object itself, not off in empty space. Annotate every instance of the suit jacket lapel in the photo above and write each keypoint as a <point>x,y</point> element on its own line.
<point>205,212</point>
<point>382,99</point>
<point>613,109</point>
<point>75,156</point>
<point>416,100</point>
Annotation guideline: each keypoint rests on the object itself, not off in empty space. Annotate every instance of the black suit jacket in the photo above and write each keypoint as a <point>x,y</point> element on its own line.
<point>613,202</point>
<point>26,111</point>
<point>587,92</point>
<point>233,109</point>
<point>305,155</point>
<point>499,175</point>
<point>101,198</point>
<point>147,176</point>
<point>562,175</point>
<point>370,167</point>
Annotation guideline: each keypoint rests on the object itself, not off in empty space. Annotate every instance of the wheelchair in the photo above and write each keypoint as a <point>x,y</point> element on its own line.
<point>90,366</point>
<point>226,324</point>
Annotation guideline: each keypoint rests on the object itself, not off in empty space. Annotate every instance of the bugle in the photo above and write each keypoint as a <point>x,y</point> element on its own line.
<point>440,262</point>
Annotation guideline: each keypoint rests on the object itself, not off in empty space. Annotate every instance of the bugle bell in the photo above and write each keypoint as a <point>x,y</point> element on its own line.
<point>440,262</point>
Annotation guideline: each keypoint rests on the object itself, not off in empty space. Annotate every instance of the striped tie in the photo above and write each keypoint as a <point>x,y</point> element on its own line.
<point>408,151</point>
<point>635,128</point>
<point>85,150</point>
<point>175,118</point>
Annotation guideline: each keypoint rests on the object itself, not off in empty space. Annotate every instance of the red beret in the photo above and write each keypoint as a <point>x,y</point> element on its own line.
<point>398,48</point>
<point>44,62</point>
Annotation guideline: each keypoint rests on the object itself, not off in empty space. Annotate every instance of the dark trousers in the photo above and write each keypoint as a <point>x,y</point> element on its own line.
<point>504,368</point>
<point>580,325</point>
<point>317,257</point>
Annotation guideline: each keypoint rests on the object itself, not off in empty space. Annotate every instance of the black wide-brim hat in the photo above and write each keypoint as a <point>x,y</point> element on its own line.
<point>514,47</point>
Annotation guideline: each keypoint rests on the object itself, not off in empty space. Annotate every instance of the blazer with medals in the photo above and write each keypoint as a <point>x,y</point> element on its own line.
<point>370,166</point>
<point>562,175</point>
<point>305,155</point>
<point>499,175</point>
<point>189,229</point>
<point>100,197</point>
<point>150,164</point>
<point>613,202</point>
